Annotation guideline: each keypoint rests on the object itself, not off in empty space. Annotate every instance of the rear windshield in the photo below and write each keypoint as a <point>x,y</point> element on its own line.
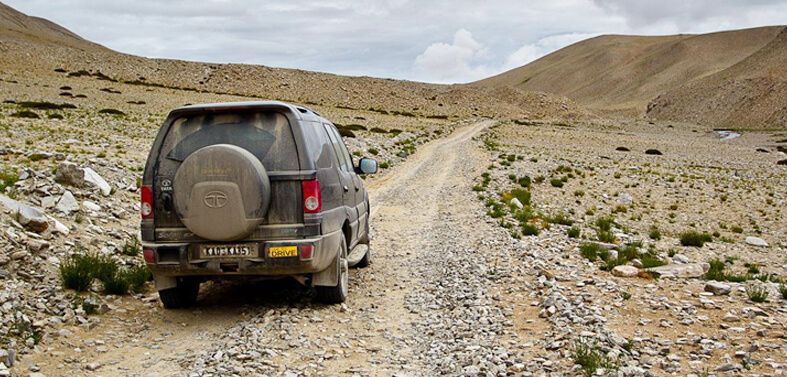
<point>266,134</point>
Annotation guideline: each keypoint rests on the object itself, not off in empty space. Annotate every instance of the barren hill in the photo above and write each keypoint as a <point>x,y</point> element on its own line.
<point>624,73</point>
<point>750,94</point>
<point>33,45</point>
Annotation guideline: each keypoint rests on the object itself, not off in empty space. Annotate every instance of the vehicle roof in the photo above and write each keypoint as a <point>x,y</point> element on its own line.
<point>300,112</point>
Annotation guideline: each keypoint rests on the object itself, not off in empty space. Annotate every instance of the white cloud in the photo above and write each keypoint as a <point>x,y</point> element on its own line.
<point>542,47</point>
<point>456,62</point>
<point>385,38</point>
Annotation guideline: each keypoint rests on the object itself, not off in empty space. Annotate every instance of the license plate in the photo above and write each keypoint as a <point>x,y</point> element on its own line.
<point>283,251</point>
<point>228,251</point>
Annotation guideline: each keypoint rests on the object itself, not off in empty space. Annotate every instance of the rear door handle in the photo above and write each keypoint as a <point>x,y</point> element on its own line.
<point>346,188</point>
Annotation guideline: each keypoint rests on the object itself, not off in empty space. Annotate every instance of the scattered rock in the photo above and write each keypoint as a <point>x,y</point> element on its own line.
<point>625,198</point>
<point>625,271</point>
<point>717,288</point>
<point>756,241</point>
<point>93,178</point>
<point>688,270</point>
<point>516,203</point>
<point>622,149</point>
<point>67,203</point>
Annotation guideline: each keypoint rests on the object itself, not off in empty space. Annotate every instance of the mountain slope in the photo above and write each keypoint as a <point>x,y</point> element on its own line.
<point>33,45</point>
<point>624,73</point>
<point>750,94</point>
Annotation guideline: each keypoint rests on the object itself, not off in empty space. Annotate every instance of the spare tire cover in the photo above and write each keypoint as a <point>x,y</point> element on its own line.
<point>221,192</point>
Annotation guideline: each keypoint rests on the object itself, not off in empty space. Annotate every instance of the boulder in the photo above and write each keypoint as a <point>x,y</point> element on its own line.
<point>718,289</point>
<point>31,217</point>
<point>67,203</point>
<point>688,270</point>
<point>680,258</point>
<point>625,271</point>
<point>69,173</point>
<point>756,241</point>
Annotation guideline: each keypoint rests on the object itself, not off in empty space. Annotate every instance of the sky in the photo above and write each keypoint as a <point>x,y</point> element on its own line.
<point>440,41</point>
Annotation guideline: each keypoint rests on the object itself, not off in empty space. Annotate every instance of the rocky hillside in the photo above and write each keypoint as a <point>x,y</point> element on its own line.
<point>31,44</point>
<point>750,94</point>
<point>702,76</point>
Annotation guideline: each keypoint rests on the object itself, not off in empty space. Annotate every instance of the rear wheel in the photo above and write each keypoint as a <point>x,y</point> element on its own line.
<point>338,293</point>
<point>183,295</point>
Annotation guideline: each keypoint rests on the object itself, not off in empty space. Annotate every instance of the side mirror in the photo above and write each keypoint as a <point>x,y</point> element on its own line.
<point>367,166</point>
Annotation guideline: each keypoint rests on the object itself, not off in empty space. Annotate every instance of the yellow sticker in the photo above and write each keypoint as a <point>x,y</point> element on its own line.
<point>283,251</point>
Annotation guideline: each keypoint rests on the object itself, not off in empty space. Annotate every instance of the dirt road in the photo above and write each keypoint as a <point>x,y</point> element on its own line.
<point>426,304</point>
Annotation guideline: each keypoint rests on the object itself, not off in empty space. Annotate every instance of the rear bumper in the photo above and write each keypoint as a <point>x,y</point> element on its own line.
<point>183,259</point>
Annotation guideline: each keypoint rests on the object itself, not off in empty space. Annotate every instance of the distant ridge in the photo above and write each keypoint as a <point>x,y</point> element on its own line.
<point>31,45</point>
<point>623,74</point>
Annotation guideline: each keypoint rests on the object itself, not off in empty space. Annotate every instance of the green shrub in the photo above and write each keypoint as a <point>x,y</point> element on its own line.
<point>736,229</point>
<point>373,151</point>
<point>385,165</point>
<point>7,179</point>
<point>605,236</point>
<point>560,218</point>
<point>783,291</point>
<point>117,284</point>
<point>529,229</point>
<point>579,193</point>
<point>587,355</point>
<point>650,260</point>
<point>590,251</point>
<point>131,247</point>
<point>346,133</point>
<point>522,195</point>
<point>524,182</point>
<point>756,292</point>
<point>654,234</point>
<point>696,239</point>
<point>77,272</point>
<point>555,182</point>
<point>573,232</point>
<point>605,223</point>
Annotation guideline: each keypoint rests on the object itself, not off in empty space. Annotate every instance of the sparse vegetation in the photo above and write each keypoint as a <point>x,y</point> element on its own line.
<point>757,292</point>
<point>693,238</point>
<point>590,358</point>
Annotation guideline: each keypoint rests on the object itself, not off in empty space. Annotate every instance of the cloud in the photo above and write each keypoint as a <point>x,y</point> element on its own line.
<point>456,62</point>
<point>403,39</point>
<point>673,16</point>
<point>542,47</point>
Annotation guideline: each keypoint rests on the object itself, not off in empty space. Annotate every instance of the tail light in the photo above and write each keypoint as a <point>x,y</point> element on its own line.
<point>147,203</point>
<point>150,256</point>
<point>306,251</point>
<point>312,198</point>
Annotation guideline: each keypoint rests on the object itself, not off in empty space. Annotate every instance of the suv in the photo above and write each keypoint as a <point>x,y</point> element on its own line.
<point>264,189</point>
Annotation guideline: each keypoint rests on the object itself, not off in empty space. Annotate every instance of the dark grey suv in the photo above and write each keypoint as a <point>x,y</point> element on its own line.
<point>263,189</point>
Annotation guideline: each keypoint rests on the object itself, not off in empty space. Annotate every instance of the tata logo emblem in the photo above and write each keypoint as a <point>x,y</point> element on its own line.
<point>215,199</point>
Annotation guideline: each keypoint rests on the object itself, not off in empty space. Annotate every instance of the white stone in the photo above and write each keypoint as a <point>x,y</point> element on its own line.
<point>91,206</point>
<point>625,198</point>
<point>625,271</point>
<point>48,202</point>
<point>93,178</point>
<point>718,289</point>
<point>516,203</point>
<point>67,203</point>
<point>689,270</point>
<point>756,241</point>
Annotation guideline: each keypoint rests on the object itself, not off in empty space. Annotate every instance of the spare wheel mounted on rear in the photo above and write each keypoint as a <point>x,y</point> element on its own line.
<point>221,192</point>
